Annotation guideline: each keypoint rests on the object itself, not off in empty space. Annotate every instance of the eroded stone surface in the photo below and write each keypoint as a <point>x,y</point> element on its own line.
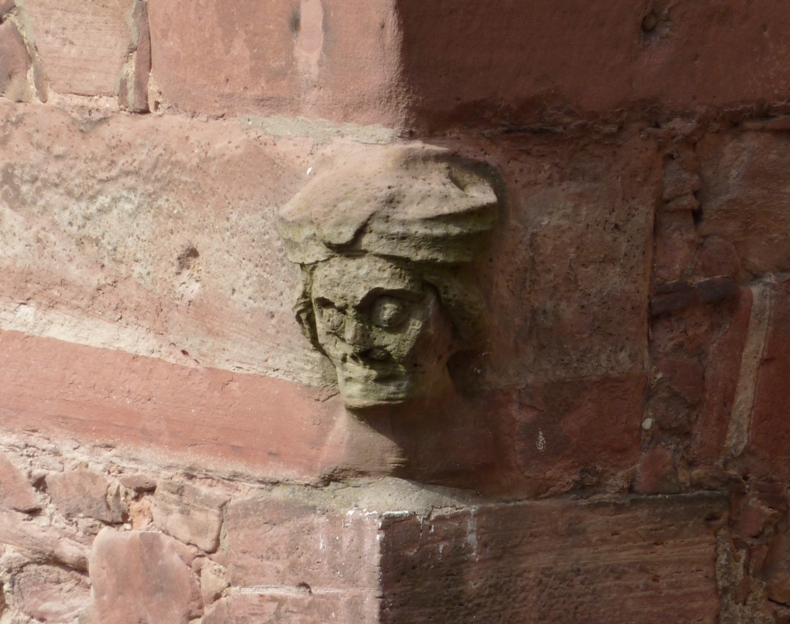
<point>188,513</point>
<point>142,577</point>
<point>51,594</point>
<point>83,44</point>
<point>14,63</point>
<point>276,541</point>
<point>555,561</point>
<point>45,542</point>
<point>333,60</point>
<point>81,492</point>
<point>15,490</point>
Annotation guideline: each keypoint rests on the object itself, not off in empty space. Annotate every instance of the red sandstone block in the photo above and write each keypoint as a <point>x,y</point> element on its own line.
<point>299,606</point>
<point>188,513</point>
<point>335,60</point>
<point>676,242</point>
<point>286,543</point>
<point>81,492</point>
<point>744,188</point>
<point>15,491</point>
<point>188,413</point>
<point>656,473</point>
<point>723,339</point>
<point>678,181</point>
<point>575,432</point>
<point>647,560</point>
<point>501,60</point>
<point>144,577</point>
<point>769,431</point>
<point>83,44</point>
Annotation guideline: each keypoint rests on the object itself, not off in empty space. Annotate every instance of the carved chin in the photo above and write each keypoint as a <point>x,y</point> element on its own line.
<point>363,387</point>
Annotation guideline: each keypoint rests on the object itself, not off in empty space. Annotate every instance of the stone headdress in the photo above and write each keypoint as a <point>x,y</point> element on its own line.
<point>417,206</point>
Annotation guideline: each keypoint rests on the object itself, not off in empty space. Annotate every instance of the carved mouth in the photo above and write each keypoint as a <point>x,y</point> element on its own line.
<point>370,370</point>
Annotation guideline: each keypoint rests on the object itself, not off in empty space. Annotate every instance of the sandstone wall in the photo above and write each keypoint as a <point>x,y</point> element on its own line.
<point>172,449</point>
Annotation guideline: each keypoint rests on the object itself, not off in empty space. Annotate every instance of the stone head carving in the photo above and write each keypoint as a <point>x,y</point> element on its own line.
<point>387,244</point>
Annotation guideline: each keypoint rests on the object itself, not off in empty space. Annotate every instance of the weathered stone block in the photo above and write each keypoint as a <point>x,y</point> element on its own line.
<point>83,44</point>
<point>768,432</point>
<point>14,63</point>
<point>287,543</point>
<point>555,561</point>
<point>335,60</point>
<point>744,189</point>
<point>141,577</point>
<point>51,594</point>
<point>470,63</point>
<point>15,490</point>
<point>43,541</point>
<point>188,513</point>
<point>81,492</point>
<point>656,473</point>
<point>571,433</point>
<point>144,402</point>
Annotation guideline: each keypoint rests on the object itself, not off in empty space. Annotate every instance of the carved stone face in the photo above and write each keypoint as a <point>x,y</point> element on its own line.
<point>382,327</point>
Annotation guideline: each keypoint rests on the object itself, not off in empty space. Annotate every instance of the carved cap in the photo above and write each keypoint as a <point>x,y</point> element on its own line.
<point>413,202</point>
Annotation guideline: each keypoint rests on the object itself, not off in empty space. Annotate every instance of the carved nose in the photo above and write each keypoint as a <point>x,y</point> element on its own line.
<point>355,333</point>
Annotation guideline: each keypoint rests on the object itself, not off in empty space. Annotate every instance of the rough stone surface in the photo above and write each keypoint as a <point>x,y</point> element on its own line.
<point>186,411</point>
<point>335,60</point>
<point>51,594</point>
<point>14,63</point>
<point>743,192</point>
<point>283,542</point>
<point>15,490</point>
<point>46,542</point>
<point>556,562</point>
<point>81,492</point>
<point>83,44</point>
<point>471,63</point>
<point>154,585</point>
<point>189,514</point>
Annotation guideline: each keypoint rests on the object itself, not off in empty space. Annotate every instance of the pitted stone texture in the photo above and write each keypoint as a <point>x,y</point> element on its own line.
<point>81,492</point>
<point>142,577</point>
<point>188,513</point>
<point>571,269</point>
<point>555,561</point>
<point>83,44</point>
<point>14,63</point>
<point>15,490</point>
<point>51,594</point>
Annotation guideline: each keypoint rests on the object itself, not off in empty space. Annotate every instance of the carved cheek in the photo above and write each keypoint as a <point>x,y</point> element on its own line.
<point>402,343</point>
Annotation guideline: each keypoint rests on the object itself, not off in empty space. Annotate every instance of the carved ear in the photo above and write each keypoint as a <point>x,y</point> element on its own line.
<point>303,309</point>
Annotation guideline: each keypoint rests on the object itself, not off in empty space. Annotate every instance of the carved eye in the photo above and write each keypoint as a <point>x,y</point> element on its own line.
<point>388,312</point>
<point>330,315</point>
